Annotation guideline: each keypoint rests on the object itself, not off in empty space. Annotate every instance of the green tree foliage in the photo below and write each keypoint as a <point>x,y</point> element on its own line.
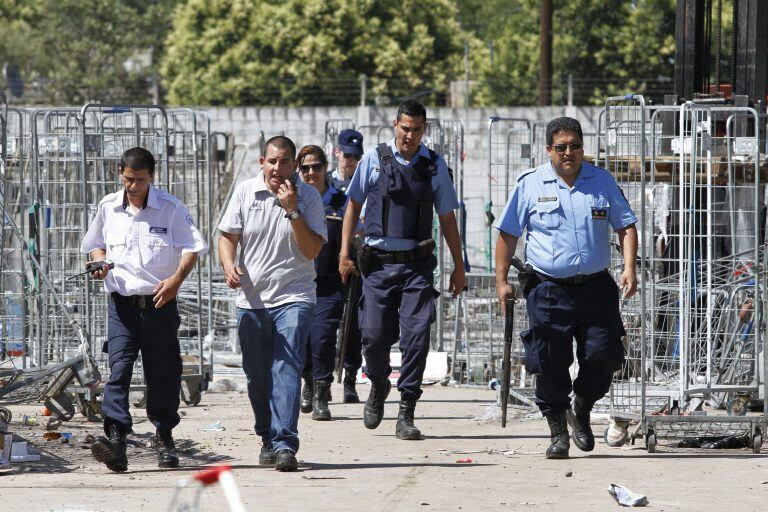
<point>606,46</point>
<point>74,51</point>
<point>308,52</point>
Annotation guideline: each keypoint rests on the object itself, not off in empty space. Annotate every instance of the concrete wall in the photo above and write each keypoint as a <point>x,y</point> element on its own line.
<point>306,125</point>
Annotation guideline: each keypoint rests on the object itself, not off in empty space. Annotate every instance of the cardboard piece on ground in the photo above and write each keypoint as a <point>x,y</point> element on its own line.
<point>436,368</point>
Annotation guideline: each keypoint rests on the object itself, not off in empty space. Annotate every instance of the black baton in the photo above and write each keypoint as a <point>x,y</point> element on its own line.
<point>506,364</point>
<point>350,302</point>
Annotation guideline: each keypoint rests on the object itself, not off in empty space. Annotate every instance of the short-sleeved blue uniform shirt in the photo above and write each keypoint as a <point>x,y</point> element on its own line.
<point>367,173</point>
<point>567,228</point>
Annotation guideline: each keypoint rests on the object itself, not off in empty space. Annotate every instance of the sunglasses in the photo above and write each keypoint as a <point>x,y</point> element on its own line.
<point>350,155</point>
<point>310,167</point>
<point>573,147</point>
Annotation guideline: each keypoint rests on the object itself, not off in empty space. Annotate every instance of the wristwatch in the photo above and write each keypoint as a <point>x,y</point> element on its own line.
<point>295,214</point>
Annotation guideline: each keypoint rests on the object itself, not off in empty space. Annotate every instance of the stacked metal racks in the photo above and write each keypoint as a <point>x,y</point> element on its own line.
<point>695,336</point>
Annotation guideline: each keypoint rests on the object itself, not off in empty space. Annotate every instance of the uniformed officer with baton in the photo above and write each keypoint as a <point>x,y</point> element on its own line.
<point>566,207</point>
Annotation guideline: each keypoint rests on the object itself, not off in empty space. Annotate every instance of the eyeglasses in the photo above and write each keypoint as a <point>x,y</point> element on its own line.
<point>350,155</point>
<point>305,168</point>
<point>573,147</point>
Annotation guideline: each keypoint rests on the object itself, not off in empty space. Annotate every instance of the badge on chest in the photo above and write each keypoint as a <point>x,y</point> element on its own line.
<point>599,213</point>
<point>158,230</point>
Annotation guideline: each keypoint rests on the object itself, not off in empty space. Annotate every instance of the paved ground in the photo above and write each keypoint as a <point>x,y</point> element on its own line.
<point>345,467</point>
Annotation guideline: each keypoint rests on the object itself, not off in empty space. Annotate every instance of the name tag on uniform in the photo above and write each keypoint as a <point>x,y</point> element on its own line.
<point>547,199</point>
<point>599,213</point>
<point>154,229</point>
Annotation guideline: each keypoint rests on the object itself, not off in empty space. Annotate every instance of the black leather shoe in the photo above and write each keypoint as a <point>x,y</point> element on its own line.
<point>558,427</point>
<point>285,460</point>
<point>320,411</point>
<point>373,412</point>
<point>405,429</point>
<point>111,451</point>
<point>166,450</point>
<point>350,393</point>
<point>267,455</point>
<point>578,419</point>
<point>306,396</point>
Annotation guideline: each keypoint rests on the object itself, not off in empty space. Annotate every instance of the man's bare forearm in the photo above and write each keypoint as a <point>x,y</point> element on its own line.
<point>351,216</point>
<point>505,250</point>
<point>450,229</point>
<point>187,263</point>
<point>628,243</point>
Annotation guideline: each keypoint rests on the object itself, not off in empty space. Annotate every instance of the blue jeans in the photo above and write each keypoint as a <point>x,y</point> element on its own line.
<point>274,341</point>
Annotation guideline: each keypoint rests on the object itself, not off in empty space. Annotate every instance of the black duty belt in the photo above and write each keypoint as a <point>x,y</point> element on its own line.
<point>396,256</point>
<point>574,280</point>
<point>136,301</point>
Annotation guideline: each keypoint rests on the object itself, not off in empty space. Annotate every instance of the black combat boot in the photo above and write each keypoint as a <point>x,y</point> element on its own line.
<point>578,419</point>
<point>165,449</point>
<point>306,396</point>
<point>373,412</point>
<point>111,451</point>
<point>285,460</point>
<point>320,411</point>
<point>267,455</point>
<point>350,393</point>
<point>558,426</point>
<point>405,429</point>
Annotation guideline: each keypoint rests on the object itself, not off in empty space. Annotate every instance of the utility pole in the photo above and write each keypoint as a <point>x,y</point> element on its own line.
<point>545,54</point>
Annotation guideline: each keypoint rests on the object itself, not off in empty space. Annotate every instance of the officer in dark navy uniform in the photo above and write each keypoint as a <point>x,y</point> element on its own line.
<point>403,182</point>
<point>349,151</point>
<point>567,207</point>
<point>318,370</point>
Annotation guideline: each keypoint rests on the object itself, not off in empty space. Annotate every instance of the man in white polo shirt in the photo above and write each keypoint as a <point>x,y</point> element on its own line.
<point>279,222</point>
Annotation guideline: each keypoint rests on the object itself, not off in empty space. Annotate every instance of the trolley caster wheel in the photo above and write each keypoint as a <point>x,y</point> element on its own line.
<point>650,442</point>
<point>615,436</point>
<point>5,415</point>
<point>194,399</point>
<point>757,443</point>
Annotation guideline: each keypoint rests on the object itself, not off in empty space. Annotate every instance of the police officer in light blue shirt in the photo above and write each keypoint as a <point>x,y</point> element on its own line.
<point>566,209</point>
<point>401,183</point>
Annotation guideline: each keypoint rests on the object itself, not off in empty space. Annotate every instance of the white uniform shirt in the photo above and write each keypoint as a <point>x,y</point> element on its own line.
<point>146,246</point>
<point>275,270</point>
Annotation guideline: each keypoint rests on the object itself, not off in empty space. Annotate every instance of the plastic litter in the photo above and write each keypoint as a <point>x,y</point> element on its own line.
<point>19,453</point>
<point>625,497</point>
<point>465,461</point>
<point>215,427</point>
<point>29,421</point>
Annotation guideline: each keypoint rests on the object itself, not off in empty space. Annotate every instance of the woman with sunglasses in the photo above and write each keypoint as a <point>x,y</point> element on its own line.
<point>321,349</point>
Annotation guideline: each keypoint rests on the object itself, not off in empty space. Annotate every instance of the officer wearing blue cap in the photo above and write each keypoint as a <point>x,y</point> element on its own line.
<point>403,182</point>
<point>348,152</point>
<point>566,207</point>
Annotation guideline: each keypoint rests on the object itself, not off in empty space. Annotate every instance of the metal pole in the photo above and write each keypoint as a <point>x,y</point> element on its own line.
<point>363,88</point>
<point>545,54</point>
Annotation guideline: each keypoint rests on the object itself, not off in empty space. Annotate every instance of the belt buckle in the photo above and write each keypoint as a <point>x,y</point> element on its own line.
<point>141,301</point>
